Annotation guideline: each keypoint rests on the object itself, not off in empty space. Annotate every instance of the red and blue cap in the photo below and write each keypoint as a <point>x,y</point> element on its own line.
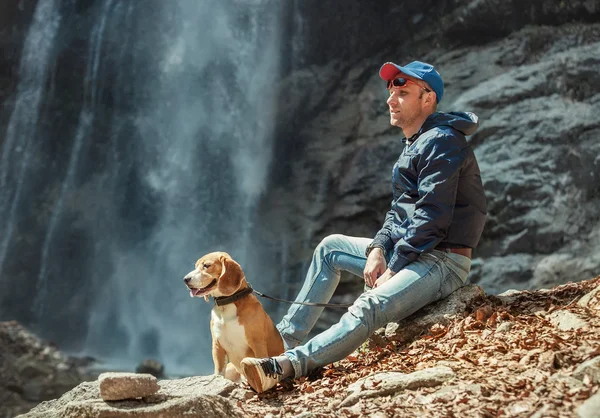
<point>416,69</point>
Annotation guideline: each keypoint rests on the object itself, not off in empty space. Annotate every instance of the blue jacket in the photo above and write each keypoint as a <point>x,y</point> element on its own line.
<point>438,198</point>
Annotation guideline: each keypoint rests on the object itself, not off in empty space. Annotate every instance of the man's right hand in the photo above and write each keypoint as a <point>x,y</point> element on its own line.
<point>375,266</point>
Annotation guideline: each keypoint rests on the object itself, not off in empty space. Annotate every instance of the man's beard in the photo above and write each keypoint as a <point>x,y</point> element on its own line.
<point>402,121</point>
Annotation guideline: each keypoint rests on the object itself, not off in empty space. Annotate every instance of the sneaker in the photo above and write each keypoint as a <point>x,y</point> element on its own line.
<point>262,373</point>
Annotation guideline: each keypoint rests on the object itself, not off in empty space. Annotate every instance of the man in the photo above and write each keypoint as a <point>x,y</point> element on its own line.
<point>421,254</point>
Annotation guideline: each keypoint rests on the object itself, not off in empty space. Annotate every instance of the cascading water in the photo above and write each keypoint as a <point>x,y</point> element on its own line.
<point>82,132</point>
<point>164,159</point>
<point>207,118</point>
<point>23,121</point>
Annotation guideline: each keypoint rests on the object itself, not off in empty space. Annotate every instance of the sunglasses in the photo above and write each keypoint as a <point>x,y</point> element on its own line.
<point>402,82</point>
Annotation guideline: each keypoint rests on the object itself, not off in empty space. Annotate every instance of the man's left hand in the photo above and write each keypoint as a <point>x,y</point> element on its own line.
<point>387,274</point>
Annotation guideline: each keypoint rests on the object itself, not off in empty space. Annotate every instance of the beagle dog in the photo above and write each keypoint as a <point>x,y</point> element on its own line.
<point>239,325</point>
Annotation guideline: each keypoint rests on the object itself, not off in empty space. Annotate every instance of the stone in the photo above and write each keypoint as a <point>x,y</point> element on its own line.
<point>509,296</point>
<point>151,366</point>
<point>449,393</point>
<point>382,384</point>
<point>567,321</point>
<point>55,408</point>
<point>589,368</point>
<point>543,412</point>
<point>504,326</point>
<point>590,408</point>
<point>119,386</point>
<point>451,364</point>
<point>568,381</point>
<point>586,300</point>
<point>195,385</point>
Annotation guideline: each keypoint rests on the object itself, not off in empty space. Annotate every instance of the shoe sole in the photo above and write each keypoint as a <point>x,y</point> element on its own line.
<point>252,376</point>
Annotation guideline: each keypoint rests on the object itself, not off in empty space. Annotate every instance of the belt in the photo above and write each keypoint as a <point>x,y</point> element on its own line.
<point>461,251</point>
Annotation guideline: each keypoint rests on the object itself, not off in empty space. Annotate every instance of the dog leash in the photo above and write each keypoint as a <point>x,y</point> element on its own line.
<point>322,305</point>
<point>226,300</point>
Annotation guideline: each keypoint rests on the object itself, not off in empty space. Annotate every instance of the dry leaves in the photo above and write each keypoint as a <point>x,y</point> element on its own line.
<point>508,360</point>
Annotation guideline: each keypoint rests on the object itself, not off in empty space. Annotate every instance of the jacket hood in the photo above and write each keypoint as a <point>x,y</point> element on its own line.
<point>465,122</point>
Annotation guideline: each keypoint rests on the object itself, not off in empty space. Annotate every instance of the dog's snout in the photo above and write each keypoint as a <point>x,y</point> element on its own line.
<point>187,279</point>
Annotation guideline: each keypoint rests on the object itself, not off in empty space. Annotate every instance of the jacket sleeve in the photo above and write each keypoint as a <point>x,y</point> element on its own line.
<point>383,238</point>
<point>438,173</point>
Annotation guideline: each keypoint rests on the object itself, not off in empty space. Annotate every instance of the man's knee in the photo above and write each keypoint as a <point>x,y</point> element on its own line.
<point>330,243</point>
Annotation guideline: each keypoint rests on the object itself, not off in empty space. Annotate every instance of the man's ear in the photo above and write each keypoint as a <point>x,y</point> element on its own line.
<point>434,98</point>
<point>430,97</point>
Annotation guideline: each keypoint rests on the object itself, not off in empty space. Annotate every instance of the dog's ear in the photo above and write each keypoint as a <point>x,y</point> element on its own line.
<point>231,272</point>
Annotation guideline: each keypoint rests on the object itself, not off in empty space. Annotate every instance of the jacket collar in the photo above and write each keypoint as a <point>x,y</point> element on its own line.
<point>464,122</point>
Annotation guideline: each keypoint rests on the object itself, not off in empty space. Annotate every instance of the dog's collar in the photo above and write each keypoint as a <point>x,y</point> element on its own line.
<point>226,300</point>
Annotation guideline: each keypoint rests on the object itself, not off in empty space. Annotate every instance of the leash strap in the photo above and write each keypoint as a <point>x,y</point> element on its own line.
<point>323,305</point>
<point>226,300</point>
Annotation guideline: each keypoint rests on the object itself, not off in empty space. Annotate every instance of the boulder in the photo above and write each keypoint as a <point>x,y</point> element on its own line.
<point>567,321</point>
<point>33,370</point>
<point>590,408</point>
<point>200,396</point>
<point>590,300</point>
<point>449,393</point>
<point>200,406</point>
<point>420,322</point>
<point>154,367</point>
<point>382,384</point>
<point>590,368</point>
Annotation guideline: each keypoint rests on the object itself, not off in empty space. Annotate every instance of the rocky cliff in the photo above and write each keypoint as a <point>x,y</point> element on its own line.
<point>528,69</point>
<point>32,370</point>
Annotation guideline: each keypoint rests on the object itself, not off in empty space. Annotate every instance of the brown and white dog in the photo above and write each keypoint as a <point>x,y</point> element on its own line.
<point>239,325</point>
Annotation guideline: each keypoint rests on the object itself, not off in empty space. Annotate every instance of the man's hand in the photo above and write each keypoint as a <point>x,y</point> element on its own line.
<point>375,266</point>
<point>388,274</point>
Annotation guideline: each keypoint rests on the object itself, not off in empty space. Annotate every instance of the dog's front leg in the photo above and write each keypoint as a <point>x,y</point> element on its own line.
<point>258,347</point>
<point>219,358</point>
<point>232,373</point>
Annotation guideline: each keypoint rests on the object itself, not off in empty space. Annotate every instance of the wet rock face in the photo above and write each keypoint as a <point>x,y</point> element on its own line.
<point>15,17</point>
<point>528,70</point>
<point>538,151</point>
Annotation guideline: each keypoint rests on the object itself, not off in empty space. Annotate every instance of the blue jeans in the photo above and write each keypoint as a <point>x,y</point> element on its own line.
<point>431,277</point>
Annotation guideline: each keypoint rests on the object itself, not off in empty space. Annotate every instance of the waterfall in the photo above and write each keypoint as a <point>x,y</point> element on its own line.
<point>157,153</point>
<point>86,120</point>
<point>24,117</point>
<point>206,125</point>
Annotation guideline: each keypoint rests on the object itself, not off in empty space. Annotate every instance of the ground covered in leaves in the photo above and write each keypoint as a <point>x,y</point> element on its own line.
<point>508,353</point>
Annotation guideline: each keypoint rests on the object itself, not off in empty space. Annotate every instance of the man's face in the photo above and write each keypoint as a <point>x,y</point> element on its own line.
<point>406,103</point>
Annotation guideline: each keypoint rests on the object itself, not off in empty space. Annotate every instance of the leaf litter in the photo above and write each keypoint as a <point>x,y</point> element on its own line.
<point>509,358</point>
